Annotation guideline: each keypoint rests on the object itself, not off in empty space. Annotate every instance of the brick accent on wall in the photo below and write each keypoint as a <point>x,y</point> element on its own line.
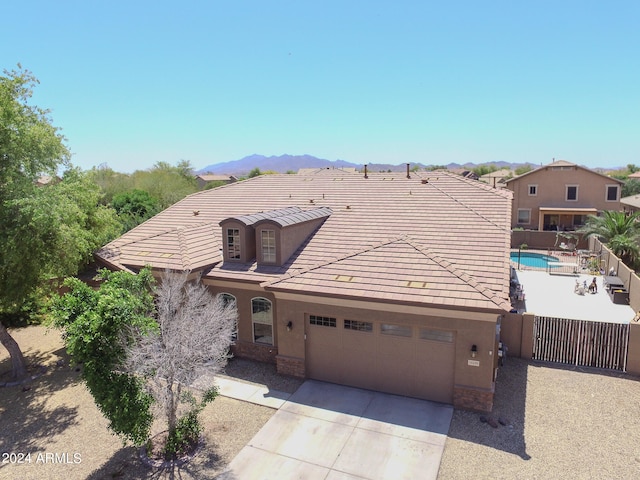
<point>254,351</point>
<point>291,366</point>
<point>470,398</point>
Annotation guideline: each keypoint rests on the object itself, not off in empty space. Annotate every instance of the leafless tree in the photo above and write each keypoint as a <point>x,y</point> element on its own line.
<point>193,337</point>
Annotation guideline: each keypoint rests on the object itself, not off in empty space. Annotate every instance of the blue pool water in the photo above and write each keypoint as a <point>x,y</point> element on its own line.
<point>529,259</point>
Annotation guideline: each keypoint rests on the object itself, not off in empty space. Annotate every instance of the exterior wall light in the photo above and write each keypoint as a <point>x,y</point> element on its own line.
<point>474,351</point>
<point>289,326</point>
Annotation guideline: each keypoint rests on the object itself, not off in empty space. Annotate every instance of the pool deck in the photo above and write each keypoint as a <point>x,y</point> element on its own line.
<point>553,296</point>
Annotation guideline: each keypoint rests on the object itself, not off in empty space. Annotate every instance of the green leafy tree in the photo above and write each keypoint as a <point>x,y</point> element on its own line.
<point>254,173</point>
<point>523,169</point>
<point>111,183</point>
<point>134,207</point>
<point>167,183</point>
<point>138,352</point>
<point>619,231</point>
<point>631,187</point>
<point>98,327</point>
<point>484,169</point>
<point>164,182</point>
<point>48,231</point>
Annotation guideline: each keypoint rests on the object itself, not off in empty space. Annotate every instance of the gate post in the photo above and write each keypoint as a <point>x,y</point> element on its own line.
<point>633,358</point>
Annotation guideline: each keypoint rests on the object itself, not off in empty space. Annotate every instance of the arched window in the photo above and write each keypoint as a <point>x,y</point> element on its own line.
<point>262,320</point>
<point>227,298</point>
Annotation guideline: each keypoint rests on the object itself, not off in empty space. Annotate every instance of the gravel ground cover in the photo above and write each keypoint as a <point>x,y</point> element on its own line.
<point>54,419</point>
<point>560,422</point>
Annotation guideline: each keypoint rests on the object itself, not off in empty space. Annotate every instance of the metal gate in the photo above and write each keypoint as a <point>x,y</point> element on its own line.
<point>581,342</point>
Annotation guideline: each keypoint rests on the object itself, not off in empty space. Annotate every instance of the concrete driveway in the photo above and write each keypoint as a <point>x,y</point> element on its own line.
<point>327,431</point>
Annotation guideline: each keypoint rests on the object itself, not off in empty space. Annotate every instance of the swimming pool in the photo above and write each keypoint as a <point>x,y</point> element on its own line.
<point>529,259</point>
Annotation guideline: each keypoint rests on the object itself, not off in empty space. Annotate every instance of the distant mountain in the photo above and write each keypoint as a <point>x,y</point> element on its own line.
<point>281,164</point>
<point>285,163</point>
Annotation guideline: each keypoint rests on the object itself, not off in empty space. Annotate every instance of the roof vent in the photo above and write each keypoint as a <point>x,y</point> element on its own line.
<point>424,180</point>
<point>196,213</point>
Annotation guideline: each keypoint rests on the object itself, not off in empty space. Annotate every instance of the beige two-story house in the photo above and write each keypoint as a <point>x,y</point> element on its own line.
<point>560,196</point>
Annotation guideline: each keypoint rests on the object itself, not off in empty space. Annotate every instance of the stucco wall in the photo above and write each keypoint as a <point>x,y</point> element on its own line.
<point>467,379</point>
<point>551,192</point>
<point>516,332</point>
<point>543,240</point>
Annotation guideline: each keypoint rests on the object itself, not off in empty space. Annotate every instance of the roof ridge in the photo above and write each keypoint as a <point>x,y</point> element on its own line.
<point>479,185</point>
<point>451,268</point>
<point>184,251</point>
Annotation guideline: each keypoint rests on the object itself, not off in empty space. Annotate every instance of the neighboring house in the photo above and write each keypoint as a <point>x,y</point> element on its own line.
<point>634,176</point>
<point>498,178</point>
<point>207,178</point>
<point>381,281</point>
<point>560,196</point>
<point>463,172</point>
<point>630,204</point>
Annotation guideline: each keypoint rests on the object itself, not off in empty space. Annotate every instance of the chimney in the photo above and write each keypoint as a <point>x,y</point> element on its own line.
<point>365,171</point>
<point>408,171</point>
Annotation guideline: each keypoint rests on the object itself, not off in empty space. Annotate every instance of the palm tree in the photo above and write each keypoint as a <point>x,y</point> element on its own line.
<point>619,231</point>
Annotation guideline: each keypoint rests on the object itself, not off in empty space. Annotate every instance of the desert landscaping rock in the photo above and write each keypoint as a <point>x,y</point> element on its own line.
<point>562,422</point>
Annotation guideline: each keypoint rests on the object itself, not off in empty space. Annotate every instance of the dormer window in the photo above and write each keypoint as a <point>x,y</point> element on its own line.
<point>233,243</point>
<point>268,239</point>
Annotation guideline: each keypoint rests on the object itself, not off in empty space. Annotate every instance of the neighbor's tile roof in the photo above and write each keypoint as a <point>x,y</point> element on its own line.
<point>435,238</point>
<point>210,177</point>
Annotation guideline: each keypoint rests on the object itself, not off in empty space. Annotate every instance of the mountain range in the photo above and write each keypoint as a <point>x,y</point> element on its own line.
<point>285,163</point>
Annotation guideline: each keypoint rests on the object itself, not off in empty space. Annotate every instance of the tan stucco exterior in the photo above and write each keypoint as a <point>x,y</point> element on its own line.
<point>560,195</point>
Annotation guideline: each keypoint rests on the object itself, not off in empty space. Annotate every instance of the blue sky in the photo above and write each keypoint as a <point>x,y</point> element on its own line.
<point>137,82</point>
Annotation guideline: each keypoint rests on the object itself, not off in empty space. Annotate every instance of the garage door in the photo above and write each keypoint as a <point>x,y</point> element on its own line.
<point>388,357</point>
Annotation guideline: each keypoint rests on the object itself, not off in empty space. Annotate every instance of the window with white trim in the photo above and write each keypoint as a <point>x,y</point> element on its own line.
<point>524,216</point>
<point>572,193</point>
<point>233,243</point>
<point>268,240</point>
<point>262,320</point>
<point>533,190</point>
<point>612,193</point>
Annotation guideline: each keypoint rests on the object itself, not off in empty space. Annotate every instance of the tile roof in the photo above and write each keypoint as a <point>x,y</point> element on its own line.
<point>435,238</point>
<point>559,164</point>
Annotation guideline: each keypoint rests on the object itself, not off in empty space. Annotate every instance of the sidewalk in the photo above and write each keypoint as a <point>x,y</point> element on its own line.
<point>247,392</point>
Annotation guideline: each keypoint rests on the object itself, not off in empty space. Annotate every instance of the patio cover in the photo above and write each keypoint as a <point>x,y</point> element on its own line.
<point>563,211</point>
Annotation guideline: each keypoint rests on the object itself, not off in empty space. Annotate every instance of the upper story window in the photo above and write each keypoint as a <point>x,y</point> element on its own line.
<point>533,190</point>
<point>612,193</point>
<point>572,193</point>
<point>268,240</point>
<point>233,243</point>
